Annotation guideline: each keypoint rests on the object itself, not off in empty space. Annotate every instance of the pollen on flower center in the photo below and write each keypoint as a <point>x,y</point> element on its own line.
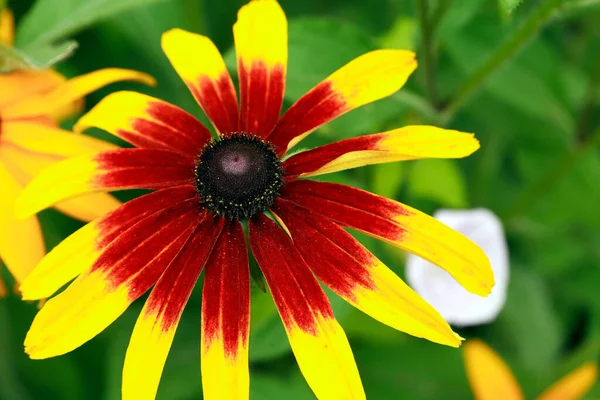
<point>238,176</point>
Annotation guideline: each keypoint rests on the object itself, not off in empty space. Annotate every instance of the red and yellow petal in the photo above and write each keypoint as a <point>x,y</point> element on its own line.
<point>147,122</point>
<point>489,376</point>
<point>110,170</point>
<point>62,96</point>
<point>356,275</point>
<point>573,386</point>
<point>226,318</point>
<point>399,225</point>
<point>317,340</point>
<point>199,63</point>
<point>155,328</point>
<point>21,242</point>
<point>125,270</point>
<point>7,27</point>
<point>260,35</point>
<point>408,143</point>
<point>78,252</point>
<point>367,78</point>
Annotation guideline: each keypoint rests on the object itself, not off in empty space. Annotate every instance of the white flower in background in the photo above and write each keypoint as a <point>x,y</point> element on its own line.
<point>457,306</point>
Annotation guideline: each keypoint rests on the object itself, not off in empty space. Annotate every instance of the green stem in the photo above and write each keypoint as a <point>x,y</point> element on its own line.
<point>439,13</point>
<point>589,101</point>
<point>428,56</point>
<point>535,192</point>
<point>507,50</point>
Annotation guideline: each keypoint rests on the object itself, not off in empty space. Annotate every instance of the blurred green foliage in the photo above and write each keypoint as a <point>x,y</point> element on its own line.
<point>537,117</point>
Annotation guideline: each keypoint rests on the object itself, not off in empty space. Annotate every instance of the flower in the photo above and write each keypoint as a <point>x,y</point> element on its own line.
<point>457,306</point>
<point>206,187</point>
<point>31,105</point>
<point>490,378</point>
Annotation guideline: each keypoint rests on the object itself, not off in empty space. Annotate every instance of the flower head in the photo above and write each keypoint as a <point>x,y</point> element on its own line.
<point>31,105</point>
<point>490,378</point>
<point>205,187</point>
<point>458,306</point>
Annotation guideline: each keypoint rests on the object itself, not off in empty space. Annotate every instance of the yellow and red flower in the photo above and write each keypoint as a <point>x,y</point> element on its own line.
<point>31,105</point>
<point>491,379</point>
<point>205,187</point>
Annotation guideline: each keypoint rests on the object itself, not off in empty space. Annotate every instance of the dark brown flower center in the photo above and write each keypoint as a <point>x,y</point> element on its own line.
<point>238,176</point>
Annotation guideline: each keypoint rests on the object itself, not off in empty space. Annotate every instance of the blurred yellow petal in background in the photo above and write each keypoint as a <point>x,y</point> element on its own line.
<point>32,103</point>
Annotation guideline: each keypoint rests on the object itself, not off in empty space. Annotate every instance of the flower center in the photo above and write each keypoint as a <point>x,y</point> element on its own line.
<point>238,176</point>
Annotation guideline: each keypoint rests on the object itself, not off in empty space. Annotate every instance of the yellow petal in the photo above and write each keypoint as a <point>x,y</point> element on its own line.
<point>324,357</point>
<point>260,35</point>
<point>490,378</point>
<point>75,316</point>
<point>7,27</point>
<point>573,386</point>
<point>72,90</point>
<point>19,86</point>
<point>71,257</point>
<point>43,139</point>
<point>88,207</point>
<point>199,63</point>
<point>21,242</point>
<point>408,143</point>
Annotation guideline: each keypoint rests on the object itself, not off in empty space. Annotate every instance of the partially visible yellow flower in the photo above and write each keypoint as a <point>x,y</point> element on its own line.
<point>31,105</point>
<point>491,379</point>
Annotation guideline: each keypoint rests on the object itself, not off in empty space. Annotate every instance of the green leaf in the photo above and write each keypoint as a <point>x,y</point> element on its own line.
<point>359,325</point>
<point>508,6</point>
<point>10,385</point>
<point>272,386</point>
<point>456,17</point>
<point>439,180</point>
<point>268,339</point>
<point>413,369</point>
<point>36,58</point>
<point>402,35</point>
<point>470,48</point>
<point>50,20</point>
<point>386,179</point>
<point>529,321</point>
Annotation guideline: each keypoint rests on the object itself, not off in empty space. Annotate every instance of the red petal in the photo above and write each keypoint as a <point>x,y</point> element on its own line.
<point>226,293</point>
<point>113,224</point>
<point>147,122</point>
<point>142,169</point>
<point>261,96</point>
<point>296,292</point>
<point>315,108</point>
<point>141,253</point>
<point>173,289</point>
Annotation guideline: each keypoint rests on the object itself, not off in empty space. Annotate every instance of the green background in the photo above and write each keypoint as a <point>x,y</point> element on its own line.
<point>534,107</point>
